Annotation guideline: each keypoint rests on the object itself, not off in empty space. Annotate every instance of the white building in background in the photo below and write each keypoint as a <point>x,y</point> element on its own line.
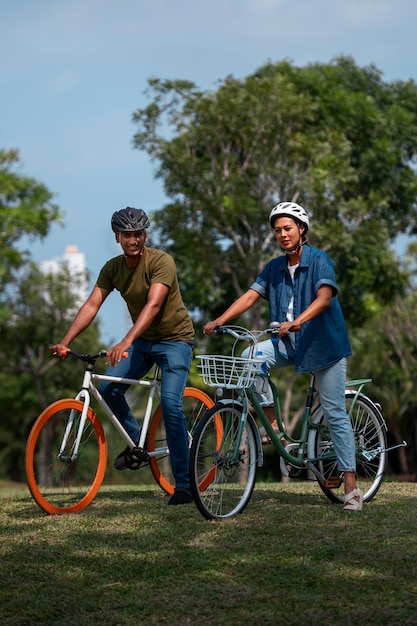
<point>74,260</point>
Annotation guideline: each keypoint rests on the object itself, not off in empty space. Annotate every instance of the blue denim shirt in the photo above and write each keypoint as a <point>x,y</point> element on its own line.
<point>323,340</point>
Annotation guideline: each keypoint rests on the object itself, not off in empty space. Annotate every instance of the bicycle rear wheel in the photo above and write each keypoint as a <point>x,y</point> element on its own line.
<point>57,482</point>
<point>371,441</point>
<point>195,404</point>
<point>223,462</point>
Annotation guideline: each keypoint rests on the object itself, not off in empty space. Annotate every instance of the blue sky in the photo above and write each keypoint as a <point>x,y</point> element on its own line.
<point>74,71</point>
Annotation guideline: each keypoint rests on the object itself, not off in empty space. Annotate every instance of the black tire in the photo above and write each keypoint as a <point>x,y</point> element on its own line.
<point>371,442</point>
<point>223,462</point>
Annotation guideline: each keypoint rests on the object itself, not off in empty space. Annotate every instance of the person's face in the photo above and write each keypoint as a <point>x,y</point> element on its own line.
<point>287,233</point>
<point>131,242</point>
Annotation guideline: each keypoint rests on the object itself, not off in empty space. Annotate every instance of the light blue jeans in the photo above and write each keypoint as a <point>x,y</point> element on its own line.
<point>174,359</point>
<point>331,386</point>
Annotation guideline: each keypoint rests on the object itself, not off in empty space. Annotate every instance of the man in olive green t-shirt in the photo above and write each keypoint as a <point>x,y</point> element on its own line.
<point>162,332</point>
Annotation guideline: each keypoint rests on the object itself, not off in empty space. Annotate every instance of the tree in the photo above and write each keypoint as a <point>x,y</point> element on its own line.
<point>334,137</point>
<point>25,210</point>
<point>386,351</point>
<point>39,309</point>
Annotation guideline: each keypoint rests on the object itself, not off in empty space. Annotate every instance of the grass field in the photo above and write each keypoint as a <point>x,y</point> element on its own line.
<point>290,558</point>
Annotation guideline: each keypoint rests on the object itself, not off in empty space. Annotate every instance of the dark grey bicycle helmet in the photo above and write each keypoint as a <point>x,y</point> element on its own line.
<point>129,220</point>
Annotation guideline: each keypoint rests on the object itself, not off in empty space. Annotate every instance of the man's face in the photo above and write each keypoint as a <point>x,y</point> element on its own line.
<point>131,242</point>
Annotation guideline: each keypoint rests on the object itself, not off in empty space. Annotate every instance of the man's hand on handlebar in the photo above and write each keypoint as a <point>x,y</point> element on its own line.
<point>118,352</point>
<point>59,351</point>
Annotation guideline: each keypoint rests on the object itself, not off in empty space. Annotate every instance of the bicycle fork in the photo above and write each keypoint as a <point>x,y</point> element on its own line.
<point>228,457</point>
<point>83,396</point>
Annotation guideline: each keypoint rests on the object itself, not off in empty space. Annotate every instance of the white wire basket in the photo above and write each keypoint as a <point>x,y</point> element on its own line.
<point>230,372</point>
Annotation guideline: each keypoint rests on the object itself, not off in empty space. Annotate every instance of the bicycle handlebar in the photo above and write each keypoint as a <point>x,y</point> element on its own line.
<point>88,358</point>
<point>249,335</point>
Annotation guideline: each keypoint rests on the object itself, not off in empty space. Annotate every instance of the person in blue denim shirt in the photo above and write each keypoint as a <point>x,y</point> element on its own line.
<point>301,290</point>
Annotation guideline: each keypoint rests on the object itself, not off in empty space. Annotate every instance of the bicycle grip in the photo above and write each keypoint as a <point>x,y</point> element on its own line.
<point>61,354</point>
<point>124,354</point>
<point>275,326</point>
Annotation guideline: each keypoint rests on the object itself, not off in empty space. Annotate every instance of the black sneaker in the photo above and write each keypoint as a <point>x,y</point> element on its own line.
<point>127,460</point>
<point>181,496</point>
<point>120,462</point>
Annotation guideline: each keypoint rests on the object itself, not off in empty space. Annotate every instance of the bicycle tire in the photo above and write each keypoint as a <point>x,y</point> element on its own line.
<point>369,430</point>
<point>195,404</point>
<point>63,485</point>
<point>221,485</point>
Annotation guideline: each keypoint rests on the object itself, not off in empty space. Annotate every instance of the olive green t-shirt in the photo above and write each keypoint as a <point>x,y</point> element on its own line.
<point>173,322</point>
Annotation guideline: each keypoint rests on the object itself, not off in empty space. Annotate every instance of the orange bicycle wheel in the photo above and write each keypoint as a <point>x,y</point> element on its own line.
<point>58,482</point>
<point>195,403</point>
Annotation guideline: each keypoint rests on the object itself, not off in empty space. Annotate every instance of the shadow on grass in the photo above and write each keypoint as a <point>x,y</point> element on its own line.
<point>290,557</point>
<point>115,500</point>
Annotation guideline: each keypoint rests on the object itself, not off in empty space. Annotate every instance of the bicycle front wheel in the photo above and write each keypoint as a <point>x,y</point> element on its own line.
<point>371,442</point>
<point>195,404</point>
<point>58,482</point>
<point>223,462</point>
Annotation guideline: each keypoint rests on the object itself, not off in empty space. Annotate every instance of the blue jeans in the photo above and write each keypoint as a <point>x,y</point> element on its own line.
<point>174,359</point>
<point>331,386</point>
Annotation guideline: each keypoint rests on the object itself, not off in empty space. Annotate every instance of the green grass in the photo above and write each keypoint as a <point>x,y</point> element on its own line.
<point>290,558</point>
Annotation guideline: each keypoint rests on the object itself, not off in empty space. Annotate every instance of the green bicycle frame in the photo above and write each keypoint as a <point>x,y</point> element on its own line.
<point>312,405</point>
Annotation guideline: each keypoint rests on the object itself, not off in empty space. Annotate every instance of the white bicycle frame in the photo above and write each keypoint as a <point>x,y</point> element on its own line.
<point>89,389</point>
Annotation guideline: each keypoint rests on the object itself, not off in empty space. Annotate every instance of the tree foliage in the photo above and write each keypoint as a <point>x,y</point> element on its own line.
<point>25,210</point>
<point>39,310</point>
<point>35,310</point>
<point>334,137</point>
<point>385,349</point>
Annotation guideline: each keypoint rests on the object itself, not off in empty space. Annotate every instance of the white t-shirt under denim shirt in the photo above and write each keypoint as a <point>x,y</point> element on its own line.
<point>290,312</point>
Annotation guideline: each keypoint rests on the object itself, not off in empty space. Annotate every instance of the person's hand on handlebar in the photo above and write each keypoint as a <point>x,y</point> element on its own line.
<point>210,327</point>
<point>288,327</point>
<point>117,352</point>
<point>59,351</point>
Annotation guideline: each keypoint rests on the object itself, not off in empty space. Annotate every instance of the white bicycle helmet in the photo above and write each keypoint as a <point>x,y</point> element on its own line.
<point>129,220</point>
<point>289,209</point>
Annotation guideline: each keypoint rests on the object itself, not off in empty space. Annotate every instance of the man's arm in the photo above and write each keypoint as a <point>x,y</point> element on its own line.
<point>84,317</point>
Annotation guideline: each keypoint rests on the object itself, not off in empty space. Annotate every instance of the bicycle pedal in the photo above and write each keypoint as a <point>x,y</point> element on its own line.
<point>139,454</point>
<point>333,482</point>
<point>135,458</point>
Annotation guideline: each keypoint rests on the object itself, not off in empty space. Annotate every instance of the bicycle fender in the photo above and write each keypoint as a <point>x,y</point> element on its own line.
<point>259,449</point>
